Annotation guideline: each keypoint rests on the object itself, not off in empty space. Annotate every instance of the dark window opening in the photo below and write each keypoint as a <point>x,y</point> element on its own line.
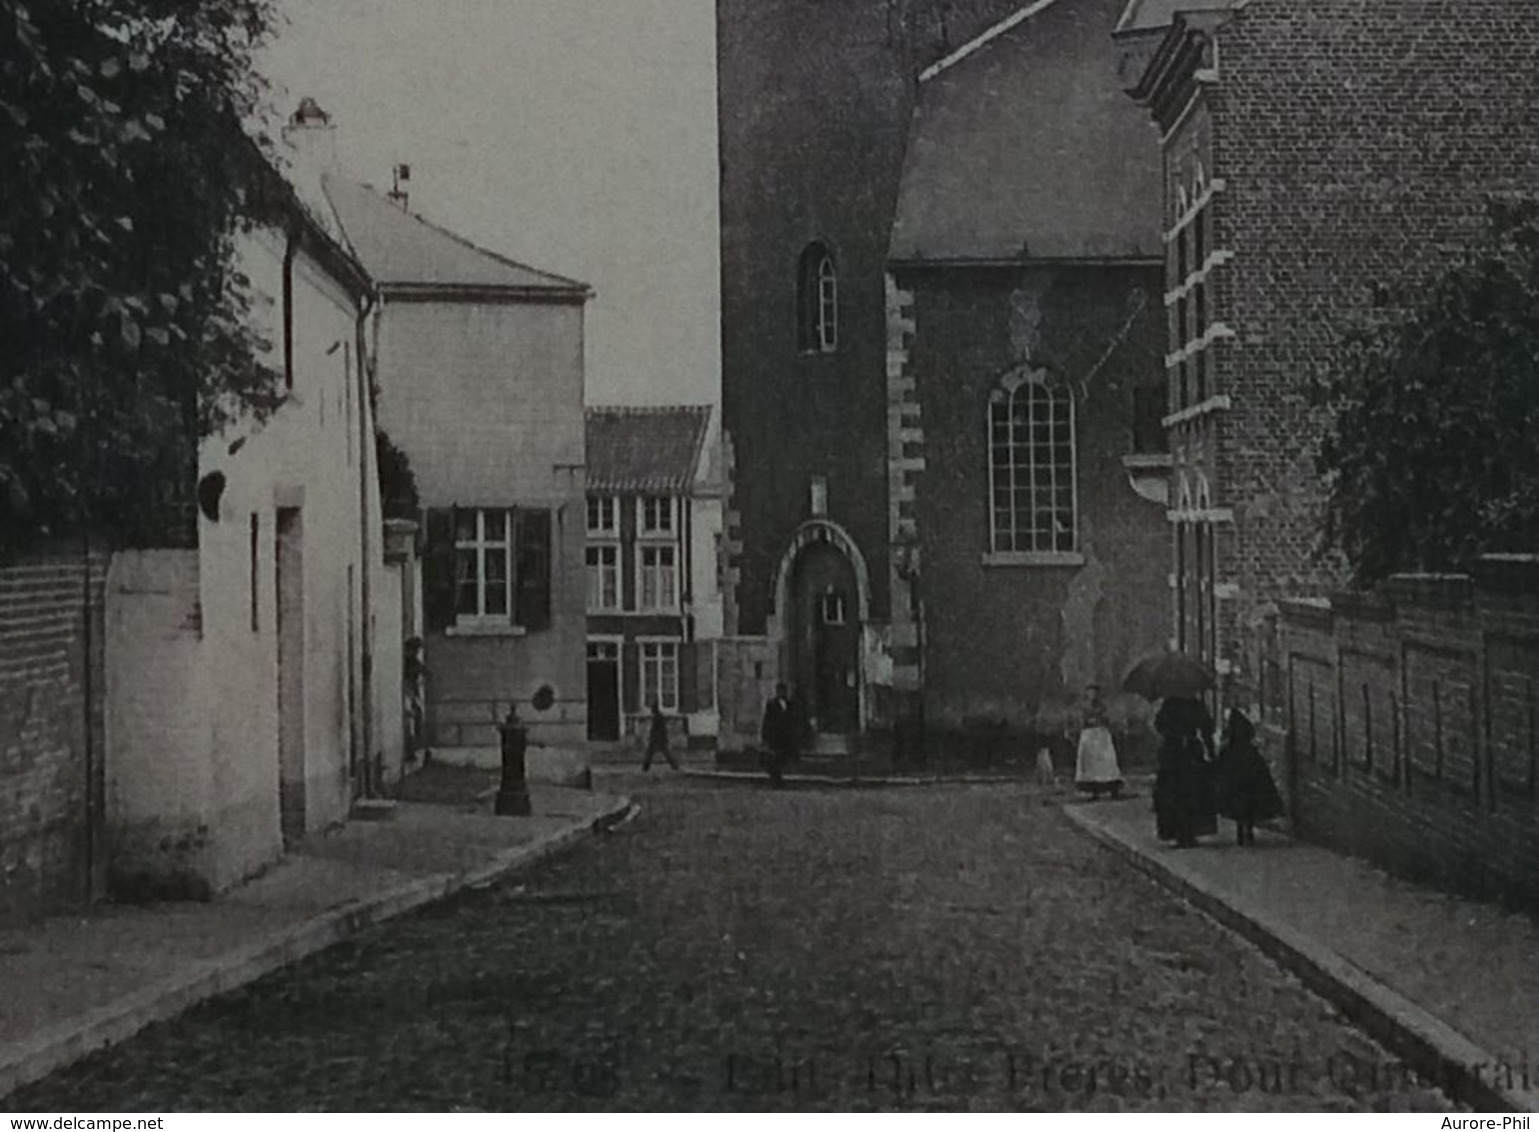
<point>1148,414</point>
<point>531,543</point>
<point>817,301</point>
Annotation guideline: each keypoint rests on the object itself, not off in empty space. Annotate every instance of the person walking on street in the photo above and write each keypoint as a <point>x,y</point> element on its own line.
<point>657,739</point>
<point>1096,769</point>
<point>1245,791</point>
<point>779,734</point>
<point>1184,805</point>
<point>415,679</point>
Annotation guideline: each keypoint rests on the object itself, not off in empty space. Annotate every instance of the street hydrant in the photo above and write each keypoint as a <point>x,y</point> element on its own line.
<point>513,793</point>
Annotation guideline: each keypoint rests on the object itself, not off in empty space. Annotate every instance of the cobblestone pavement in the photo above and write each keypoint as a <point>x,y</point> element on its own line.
<point>739,948</point>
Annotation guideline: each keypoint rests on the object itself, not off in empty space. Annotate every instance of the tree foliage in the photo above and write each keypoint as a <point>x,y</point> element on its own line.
<point>397,481</point>
<point>1432,460</point>
<point>126,176</point>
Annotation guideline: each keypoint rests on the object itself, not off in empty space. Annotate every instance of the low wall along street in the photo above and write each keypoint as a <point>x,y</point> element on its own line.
<point>1410,721</point>
<point>51,697</point>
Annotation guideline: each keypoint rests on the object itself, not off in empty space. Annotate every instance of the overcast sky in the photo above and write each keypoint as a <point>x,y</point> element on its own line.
<point>577,136</point>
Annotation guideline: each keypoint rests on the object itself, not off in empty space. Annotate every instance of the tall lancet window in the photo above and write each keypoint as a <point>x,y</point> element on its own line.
<point>1032,466</point>
<point>817,299</point>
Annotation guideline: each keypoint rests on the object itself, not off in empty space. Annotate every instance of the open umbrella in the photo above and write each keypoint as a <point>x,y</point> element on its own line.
<point>1168,674</point>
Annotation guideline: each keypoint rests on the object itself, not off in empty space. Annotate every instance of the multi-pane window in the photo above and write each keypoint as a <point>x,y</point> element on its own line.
<point>603,553</point>
<point>1192,315</point>
<point>603,515</point>
<point>659,587</point>
<point>1032,469</point>
<point>660,674</point>
<point>502,566</point>
<point>817,287</point>
<point>655,515</point>
<point>483,551</point>
<point>604,577</point>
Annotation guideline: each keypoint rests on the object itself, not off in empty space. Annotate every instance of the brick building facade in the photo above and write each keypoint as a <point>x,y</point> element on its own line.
<point>1323,158</point>
<point>654,524</point>
<point>930,248</point>
<point>52,750</point>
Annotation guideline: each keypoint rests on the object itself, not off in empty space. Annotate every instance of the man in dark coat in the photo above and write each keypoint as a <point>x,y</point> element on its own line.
<point>657,739</point>
<point>779,734</point>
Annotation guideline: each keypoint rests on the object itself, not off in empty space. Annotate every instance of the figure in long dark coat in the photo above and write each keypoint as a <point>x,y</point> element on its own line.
<point>779,734</point>
<point>1246,792</point>
<point>657,739</point>
<point>1184,803</point>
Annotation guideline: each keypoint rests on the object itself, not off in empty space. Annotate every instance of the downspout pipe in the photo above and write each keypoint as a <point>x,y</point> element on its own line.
<point>373,771</point>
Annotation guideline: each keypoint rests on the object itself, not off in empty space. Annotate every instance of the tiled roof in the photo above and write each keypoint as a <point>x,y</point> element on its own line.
<point>1029,149</point>
<point>644,448</point>
<point>400,248</point>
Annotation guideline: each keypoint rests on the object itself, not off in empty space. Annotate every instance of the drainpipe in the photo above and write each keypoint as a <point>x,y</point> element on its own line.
<point>94,768</point>
<point>366,442</point>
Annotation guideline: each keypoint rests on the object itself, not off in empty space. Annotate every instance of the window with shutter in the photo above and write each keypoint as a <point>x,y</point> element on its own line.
<point>532,543</point>
<point>438,568</point>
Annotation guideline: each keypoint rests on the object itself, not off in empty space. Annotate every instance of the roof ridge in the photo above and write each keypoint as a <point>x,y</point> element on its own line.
<point>984,38</point>
<point>382,200</point>
<point>498,256</point>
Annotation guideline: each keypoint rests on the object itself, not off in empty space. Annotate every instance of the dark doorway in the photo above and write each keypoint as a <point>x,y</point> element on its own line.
<point>291,674</point>
<point>604,691</point>
<point>826,639</point>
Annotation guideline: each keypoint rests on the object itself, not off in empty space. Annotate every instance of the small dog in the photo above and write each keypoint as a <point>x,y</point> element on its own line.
<point>1047,775</point>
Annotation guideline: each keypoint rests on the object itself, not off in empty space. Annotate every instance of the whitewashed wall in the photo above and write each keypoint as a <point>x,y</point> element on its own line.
<point>221,784</point>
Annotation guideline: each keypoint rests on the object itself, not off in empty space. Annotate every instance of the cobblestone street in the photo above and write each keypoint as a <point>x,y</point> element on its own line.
<point>738,948</point>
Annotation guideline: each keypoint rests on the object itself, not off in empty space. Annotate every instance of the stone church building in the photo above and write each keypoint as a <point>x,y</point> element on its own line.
<point>942,361</point>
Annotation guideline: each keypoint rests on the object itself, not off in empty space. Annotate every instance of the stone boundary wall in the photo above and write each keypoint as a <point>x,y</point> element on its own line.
<point>1408,721</point>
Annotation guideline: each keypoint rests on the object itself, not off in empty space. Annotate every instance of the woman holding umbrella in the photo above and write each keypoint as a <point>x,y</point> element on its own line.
<point>1184,804</point>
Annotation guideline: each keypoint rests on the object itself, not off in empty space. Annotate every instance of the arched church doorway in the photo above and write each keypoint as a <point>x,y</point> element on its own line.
<point>822,597</point>
<point>824,638</point>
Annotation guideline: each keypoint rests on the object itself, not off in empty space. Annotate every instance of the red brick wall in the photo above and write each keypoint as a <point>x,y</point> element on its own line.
<point>1359,142</point>
<point>1411,722</point>
<point>51,742</point>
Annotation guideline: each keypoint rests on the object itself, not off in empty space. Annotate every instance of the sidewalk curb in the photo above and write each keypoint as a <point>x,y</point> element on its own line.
<point>24,1062</point>
<point>1064,791</point>
<point>863,780</point>
<point>1431,1047</point>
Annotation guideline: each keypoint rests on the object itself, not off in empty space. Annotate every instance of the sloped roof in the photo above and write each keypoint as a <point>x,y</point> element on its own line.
<point>1029,149</point>
<point>645,448</point>
<point>400,248</point>
<point>1153,15</point>
<point>1148,15</point>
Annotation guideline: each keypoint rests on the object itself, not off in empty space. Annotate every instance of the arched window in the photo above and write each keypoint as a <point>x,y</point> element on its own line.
<point>1032,469</point>
<point>817,301</point>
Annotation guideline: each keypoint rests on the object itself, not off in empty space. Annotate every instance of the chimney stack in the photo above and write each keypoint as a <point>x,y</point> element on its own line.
<point>399,176</point>
<point>310,132</point>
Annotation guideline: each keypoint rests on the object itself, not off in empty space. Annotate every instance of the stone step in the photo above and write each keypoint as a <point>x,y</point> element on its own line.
<point>826,744</point>
<point>373,809</point>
